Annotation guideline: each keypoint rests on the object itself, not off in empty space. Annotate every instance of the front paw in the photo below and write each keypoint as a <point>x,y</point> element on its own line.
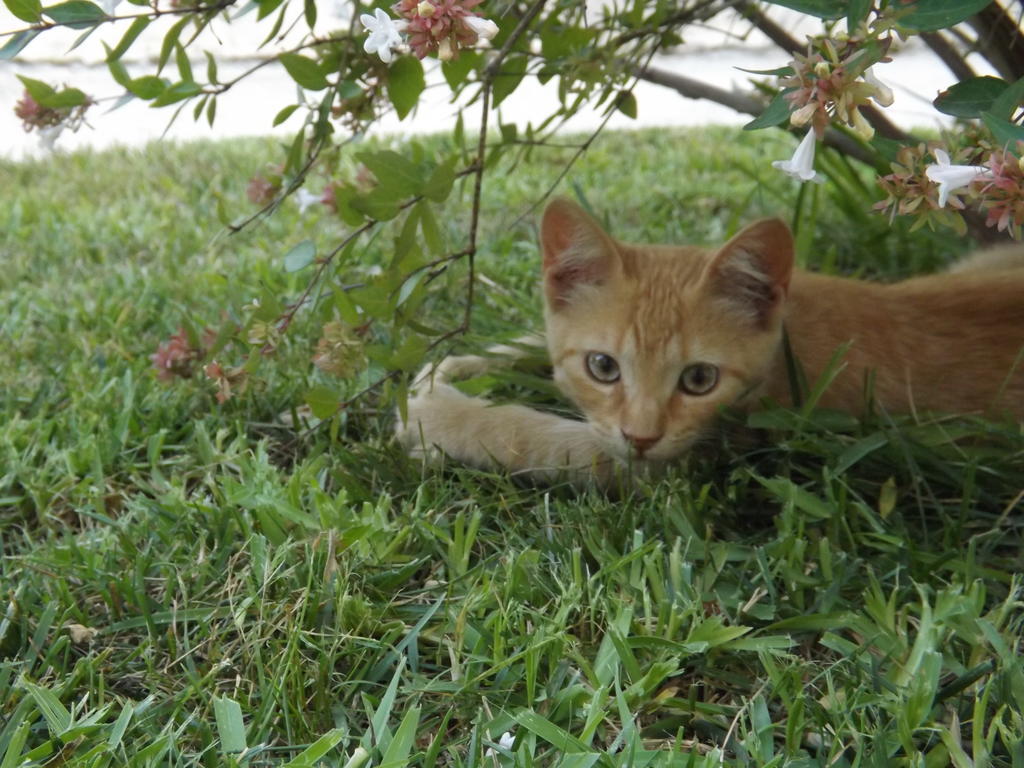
<point>435,421</point>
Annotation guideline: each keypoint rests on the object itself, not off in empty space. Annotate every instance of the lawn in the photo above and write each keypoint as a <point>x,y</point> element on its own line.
<point>184,582</point>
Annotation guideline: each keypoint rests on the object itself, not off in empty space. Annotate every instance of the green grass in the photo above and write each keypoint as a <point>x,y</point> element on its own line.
<point>819,591</point>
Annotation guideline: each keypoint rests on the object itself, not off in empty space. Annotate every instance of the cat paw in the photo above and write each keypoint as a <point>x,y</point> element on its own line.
<point>435,419</point>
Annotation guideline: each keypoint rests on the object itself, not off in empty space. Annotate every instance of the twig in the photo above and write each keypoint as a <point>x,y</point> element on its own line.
<point>42,26</point>
<point>491,71</point>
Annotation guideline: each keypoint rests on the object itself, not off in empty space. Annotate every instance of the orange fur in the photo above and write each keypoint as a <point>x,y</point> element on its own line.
<point>951,342</point>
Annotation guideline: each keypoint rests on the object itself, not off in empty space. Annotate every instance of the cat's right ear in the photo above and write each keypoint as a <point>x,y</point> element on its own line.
<point>577,253</point>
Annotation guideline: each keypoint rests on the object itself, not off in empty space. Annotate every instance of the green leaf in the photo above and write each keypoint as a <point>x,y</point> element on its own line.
<point>128,38</point>
<point>170,40</point>
<point>1008,101</point>
<point>457,70</point>
<point>184,65</point>
<point>12,754</point>
<point>211,67</point>
<point>397,753</point>
<point>284,114</point>
<point>822,9</point>
<point>409,286</point>
<point>930,15</point>
<point>560,739</point>
<point>1006,134</point>
<point>147,87</point>
<point>308,757</point>
<point>77,14</point>
<point>776,113</point>
<point>397,176</point>
<point>300,256</point>
<point>58,719</point>
<point>508,78</point>
<point>69,97</point>
<point>37,89</point>
<point>267,7</point>
<point>969,98</point>
<point>304,71</point>
<point>309,10</point>
<point>230,726</point>
<point>17,43</point>
<point>405,84</point>
<point>626,104</point>
<point>787,491</point>
<point>26,10</point>
<point>440,183</point>
<point>431,232</point>
<point>175,93</point>
<point>856,12</point>
<point>322,401</point>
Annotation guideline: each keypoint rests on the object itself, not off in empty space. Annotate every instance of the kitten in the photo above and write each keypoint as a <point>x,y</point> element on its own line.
<point>651,341</point>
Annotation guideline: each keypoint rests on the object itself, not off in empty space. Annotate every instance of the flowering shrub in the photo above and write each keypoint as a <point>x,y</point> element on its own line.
<point>347,78</point>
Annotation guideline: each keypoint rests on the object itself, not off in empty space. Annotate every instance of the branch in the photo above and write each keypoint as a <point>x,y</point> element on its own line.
<point>1000,40</point>
<point>746,104</point>
<point>949,55</point>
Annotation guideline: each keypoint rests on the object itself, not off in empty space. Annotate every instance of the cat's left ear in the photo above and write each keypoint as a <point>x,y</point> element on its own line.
<point>752,271</point>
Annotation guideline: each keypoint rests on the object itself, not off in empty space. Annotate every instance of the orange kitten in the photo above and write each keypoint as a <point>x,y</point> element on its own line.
<point>651,341</point>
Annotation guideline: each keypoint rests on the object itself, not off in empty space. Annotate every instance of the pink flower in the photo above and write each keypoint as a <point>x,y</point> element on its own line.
<point>260,190</point>
<point>174,357</point>
<point>1003,196</point>
<point>443,27</point>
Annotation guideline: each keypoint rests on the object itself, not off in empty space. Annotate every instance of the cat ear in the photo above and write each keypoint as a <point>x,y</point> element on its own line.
<point>751,272</point>
<point>577,252</point>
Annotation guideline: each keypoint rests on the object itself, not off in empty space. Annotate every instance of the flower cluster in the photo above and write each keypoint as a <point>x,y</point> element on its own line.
<point>433,27</point>
<point>1002,190</point>
<point>832,82</point>
<point>177,357</point>
<point>50,122</point>
<point>230,381</point>
<point>339,351</point>
<point>933,191</point>
<point>261,190</point>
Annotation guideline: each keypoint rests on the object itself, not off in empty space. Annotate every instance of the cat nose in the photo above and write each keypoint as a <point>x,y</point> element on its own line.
<point>640,443</point>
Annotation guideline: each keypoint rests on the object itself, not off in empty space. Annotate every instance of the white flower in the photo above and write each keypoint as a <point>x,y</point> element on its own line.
<point>883,93</point>
<point>484,28</point>
<point>384,35</point>
<point>801,165</point>
<point>952,177</point>
<point>505,741</point>
<point>304,198</point>
<point>445,52</point>
<point>49,134</point>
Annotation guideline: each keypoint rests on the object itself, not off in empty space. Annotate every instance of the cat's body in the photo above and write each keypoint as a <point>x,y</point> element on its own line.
<point>651,341</point>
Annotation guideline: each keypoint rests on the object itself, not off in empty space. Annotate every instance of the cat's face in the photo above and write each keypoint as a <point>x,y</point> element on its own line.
<point>650,342</point>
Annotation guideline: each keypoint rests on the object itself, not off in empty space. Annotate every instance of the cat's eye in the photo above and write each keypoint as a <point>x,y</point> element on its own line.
<point>698,379</point>
<point>602,367</point>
